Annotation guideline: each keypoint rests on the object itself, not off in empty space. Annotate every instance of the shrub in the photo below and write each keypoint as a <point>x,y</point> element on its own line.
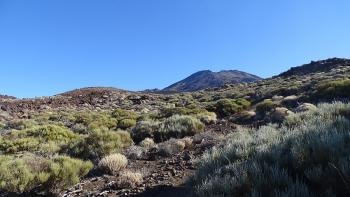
<point>19,145</point>
<point>207,117</point>
<point>147,143</point>
<point>15,176</point>
<point>31,172</point>
<point>306,107</point>
<point>66,171</point>
<point>126,123</point>
<point>65,117</point>
<point>2,125</point>
<point>113,163</point>
<point>144,129</point>
<point>129,180</point>
<point>337,89</point>
<point>227,107</point>
<point>170,111</point>
<point>47,133</point>
<point>37,138</point>
<point>245,117</point>
<point>80,128</point>
<point>265,106</point>
<point>95,120</point>
<point>308,159</point>
<point>100,143</point>
<point>20,124</point>
<point>188,142</point>
<point>279,114</point>
<point>173,146</point>
<point>137,153</point>
<point>120,114</point>
<point>178,127</point>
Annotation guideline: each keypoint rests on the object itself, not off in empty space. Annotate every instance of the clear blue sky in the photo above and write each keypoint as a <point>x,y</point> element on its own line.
<point>48,47</point>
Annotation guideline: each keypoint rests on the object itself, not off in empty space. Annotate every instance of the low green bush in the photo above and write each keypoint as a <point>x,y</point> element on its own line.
<point>120,114</point>
<point>126,123</point>
<point>168,112</point>
<point>80,122</point>
<point>100,143</point>
<point>23,174</point>
<point>309,158</point>
<point>96,120</point>
<point>37,138</point>
<point>206,117</point>
<point>65,172</point>
<point>265,106</point>
<point>15,175</point>
<point>178,127</point>
<point>20,124</point>
<point>54,133</point>
<point>227,107</point>
<point>11,146</point>
<point>330,90</point>
<point>144,129</point>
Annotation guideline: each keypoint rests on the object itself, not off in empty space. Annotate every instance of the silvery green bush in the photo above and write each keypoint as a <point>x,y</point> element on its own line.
<point>309,155</point>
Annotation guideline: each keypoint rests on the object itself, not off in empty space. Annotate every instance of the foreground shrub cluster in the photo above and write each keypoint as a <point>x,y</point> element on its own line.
<point>307,156</point>
<point>99,144</point>
<point>337,89</point>
<point>176,126</point>
<point>33,153</point>
<point>30,172</point>
<point>227,107</point>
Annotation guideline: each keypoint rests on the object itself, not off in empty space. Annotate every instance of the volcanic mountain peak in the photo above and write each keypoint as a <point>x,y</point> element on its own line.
<point>209,79</point>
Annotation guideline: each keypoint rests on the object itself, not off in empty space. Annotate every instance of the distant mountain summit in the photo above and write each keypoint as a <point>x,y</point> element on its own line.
<point>208,79</point>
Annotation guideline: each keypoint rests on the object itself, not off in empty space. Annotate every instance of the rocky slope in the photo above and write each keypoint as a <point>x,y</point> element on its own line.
<point>316,66</point>
<point>77,111</point>
<point>208,79</point>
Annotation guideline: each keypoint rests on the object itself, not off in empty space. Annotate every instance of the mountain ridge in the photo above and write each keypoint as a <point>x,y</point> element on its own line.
<point>316,66</point>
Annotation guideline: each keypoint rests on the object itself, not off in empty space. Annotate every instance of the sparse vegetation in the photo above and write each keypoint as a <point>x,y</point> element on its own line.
<point>147,143</point>
<point>335,89</point>
<point>227,107</point>
<point>307,159</point>
<point>100,143</point>
<point>178,127</point>
<point>173,146</point>
<point>129,179</point>
<point>26,173</point>
<point>265,106</point>
<point>126,123</point>
<point>113,163</point>
<point>145,129</point>
<point>37,138</point>
<point>289,146</point>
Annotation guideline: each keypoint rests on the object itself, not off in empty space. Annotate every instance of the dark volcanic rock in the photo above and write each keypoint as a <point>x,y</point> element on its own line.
<point>208,79</point>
